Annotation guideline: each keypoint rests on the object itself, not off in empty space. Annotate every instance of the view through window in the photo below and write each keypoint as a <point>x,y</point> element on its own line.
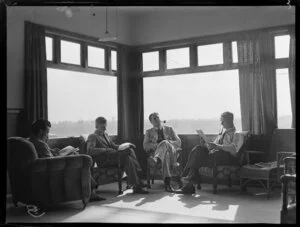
<point>76,99</point>
<point>193,101</point>
<point>284,108</point>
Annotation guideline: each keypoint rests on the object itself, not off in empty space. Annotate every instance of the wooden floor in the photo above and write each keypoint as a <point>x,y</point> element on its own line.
<point>228,206</point>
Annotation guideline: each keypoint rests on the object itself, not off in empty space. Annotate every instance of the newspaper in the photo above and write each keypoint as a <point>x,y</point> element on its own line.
<point>202,135</point>
<point>125,146</point>
<point>68,150</point>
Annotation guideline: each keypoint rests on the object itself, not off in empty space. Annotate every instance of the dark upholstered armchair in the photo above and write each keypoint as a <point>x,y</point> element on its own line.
<point>228,172</point>
<point>46,181</point>
<point>288,180</point>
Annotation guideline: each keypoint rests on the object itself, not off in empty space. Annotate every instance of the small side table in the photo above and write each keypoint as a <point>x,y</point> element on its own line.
<point>280,163</point>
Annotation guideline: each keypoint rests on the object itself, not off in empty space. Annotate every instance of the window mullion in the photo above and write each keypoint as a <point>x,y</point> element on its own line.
<point>162,60</point>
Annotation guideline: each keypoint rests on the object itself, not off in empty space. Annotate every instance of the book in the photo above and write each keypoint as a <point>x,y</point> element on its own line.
<point>266,164</point>
<point>125,146</point>
<point>68,150</point>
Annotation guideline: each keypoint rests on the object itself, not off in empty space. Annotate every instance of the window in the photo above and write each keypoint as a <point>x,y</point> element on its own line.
<point>178,58</point>
<point>96,57</point>
<point>49,48</point>
<point>284,108</point>
<point>210,54</point>
<point>76,99</point>
<point>193,101</point>
<point>114,60</point>
<point>70,52</point>
<point>282,46</point>
<point>150,61</point>
<point>234,52</point>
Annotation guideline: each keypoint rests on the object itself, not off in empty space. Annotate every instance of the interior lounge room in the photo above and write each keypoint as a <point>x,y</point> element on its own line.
<point>151,114</point>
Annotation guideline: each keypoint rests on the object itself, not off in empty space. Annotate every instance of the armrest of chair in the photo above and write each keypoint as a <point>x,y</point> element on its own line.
<point>62,162</point>
<point>285,179</point>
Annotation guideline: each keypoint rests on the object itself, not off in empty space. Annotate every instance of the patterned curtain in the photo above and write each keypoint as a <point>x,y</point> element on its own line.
<point>35,76</point>
<point>257,83</point>
<point>292,75</point>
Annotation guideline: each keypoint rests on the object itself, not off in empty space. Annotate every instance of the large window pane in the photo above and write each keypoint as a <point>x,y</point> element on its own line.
<point>49,48</point>
<point>234,52</point>
<point>282,46</point>
<point>284,108</point>
<point>96,57</point>
<point>114,60</point>
<point>210,54</point>
<point>178,58</point>
<point>70,52</point>
<point>150,61</point>
<point>193,101</point>
<point>76,99</point>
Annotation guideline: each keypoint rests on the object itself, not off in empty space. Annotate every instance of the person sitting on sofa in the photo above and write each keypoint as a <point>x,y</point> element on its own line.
<point>224,149</point>
<point>39,135</point>
<point>99,144</point>
<point>164,142</point>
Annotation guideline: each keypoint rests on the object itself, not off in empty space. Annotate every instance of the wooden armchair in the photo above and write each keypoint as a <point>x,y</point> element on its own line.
<point>288,180</point>
<point>228,172</point>
<point>104,172</point>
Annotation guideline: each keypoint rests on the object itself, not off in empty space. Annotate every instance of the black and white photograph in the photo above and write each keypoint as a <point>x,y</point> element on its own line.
<point>150,113</point>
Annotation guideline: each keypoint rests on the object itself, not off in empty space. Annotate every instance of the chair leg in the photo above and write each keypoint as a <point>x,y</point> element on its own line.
<point>84,202</point>
<point>199,183</point>
<point>215,184</point>
<point>120,181</point>
<point>148,175</point>
<point>229,182</point>
<point>15,202</point>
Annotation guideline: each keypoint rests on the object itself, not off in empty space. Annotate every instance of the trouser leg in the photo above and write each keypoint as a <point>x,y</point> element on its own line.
<point>93,183</point>
<point>166,166</point>
<point>131,170</point>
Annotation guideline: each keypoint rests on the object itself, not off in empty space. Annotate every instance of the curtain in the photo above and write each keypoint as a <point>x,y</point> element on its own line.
<point>257,83</point>
<point>35,76</point>
<point>292,75</point>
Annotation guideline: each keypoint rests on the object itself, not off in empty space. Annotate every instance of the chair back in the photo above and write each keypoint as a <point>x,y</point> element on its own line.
<point>21,154</point>
<point>241,139</point>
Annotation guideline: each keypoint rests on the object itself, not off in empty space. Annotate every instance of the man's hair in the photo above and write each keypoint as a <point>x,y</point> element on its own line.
<point>152,114</point>
<point>40,124</point>
<point>100,120</point>
<point>227,116</point>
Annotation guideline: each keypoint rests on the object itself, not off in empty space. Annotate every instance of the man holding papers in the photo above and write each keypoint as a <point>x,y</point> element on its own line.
<point>224,149</point>
<point>99,144</point>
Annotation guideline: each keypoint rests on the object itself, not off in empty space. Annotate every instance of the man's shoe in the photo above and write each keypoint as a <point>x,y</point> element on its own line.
<point>95,198</point>
<point>168,188</point>
<point>186,190</point>
<point>139,190</point>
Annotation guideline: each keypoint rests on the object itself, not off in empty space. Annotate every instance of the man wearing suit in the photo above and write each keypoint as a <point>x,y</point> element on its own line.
<point>165,143</point>
<point>99,144</point>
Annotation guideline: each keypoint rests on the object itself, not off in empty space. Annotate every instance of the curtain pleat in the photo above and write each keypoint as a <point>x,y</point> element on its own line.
<point>35,75</point>
<point>292,75</point>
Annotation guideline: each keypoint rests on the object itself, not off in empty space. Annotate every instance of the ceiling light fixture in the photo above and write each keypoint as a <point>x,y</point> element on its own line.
<point>108,37</point>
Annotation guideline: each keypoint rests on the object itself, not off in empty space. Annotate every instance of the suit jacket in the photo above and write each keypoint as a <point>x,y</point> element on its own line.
<point>151,136</point>
<point>98,141</point>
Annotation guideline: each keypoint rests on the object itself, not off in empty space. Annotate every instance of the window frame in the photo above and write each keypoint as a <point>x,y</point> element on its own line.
<point>105,57</point>
<point>160,59</point>
<point>53,49</point>
<point>60,34</point>
<point>226,39</point>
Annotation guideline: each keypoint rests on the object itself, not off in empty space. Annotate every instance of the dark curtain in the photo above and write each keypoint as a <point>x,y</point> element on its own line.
<point>257,83</point>
<point>292,75</point>
<point>35,76</point>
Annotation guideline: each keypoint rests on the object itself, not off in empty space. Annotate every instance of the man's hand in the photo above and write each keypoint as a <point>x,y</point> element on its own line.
<point>111,150</point>
<point>212,146</point>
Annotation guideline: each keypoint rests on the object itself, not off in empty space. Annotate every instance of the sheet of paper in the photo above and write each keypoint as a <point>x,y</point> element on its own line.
<point>202,135</point>
<point>124,146</point>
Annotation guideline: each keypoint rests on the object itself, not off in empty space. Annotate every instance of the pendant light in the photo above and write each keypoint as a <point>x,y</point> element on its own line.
<point>108,37</point>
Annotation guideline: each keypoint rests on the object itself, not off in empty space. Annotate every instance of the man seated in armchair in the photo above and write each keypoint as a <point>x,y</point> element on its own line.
<point>223,148</point>
<point>39,135</point>
<point>164,142</point>
<point>99,144</point>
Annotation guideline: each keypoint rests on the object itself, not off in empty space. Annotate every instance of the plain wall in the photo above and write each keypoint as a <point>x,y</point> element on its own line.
<point>167,24</point>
